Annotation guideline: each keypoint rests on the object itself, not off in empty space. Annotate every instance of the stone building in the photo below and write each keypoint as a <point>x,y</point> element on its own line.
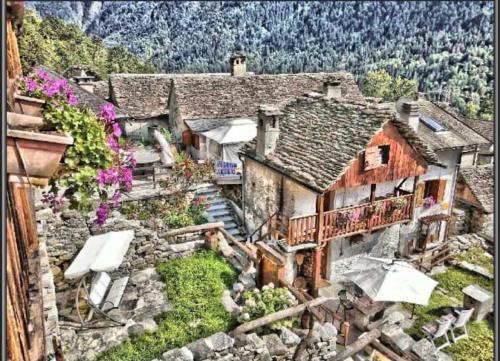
<point>330,178</point>
<point>474,200</point>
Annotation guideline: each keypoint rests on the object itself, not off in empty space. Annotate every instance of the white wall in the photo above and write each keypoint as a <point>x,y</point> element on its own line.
<point>138,129</point>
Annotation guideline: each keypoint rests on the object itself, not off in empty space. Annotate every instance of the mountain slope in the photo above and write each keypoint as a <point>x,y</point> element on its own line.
<point>446,46</point>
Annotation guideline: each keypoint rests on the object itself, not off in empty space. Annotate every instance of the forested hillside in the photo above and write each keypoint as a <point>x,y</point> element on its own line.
<point>58,45</point>
<point>447,47</point>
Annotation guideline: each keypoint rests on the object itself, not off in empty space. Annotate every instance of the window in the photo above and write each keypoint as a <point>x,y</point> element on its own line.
<point>195,141</point>
<point>433,124</point>
<point>430,192</point>
<point>376,156</point>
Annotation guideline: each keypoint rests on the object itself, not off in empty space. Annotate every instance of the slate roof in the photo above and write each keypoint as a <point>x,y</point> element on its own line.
<point>203,125</point>
<point>480,180</point>
<point>101,89</point>
<point>486,128</point>
<point>238,96</point>
<point>319,139</point>
<point>458,134</point>
<point>145,96</point>
<point>93,101</point>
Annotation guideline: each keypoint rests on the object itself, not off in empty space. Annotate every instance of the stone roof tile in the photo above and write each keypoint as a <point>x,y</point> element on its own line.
<point>480,181</point>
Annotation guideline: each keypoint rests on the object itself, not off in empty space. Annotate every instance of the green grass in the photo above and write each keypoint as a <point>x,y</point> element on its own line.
<point>477,255</point>
<point>194,286</point>
<point>479,345</point>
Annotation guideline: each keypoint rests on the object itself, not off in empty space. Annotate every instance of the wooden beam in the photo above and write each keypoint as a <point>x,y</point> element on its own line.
<point>373,188</point>
<point>317,270</point>
<point>240,245</point>
<point>363,341</point>
<point>271,253</point>
<point>192,229</point>
<point>292,311</point>
<point>320,208</point>
<point>377,345</point>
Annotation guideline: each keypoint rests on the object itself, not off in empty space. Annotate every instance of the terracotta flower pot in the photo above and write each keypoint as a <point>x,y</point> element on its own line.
<point>28,105</point>
<point>40,152</point>
<point>17,120</point>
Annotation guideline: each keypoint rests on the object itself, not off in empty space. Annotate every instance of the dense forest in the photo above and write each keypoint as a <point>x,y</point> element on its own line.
<point>446,47</point>
<point>58,45</point>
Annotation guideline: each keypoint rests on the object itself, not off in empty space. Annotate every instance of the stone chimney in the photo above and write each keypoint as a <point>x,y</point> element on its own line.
<point>410,114</point>
<point>85,81</point>
<point>332,89</point>
<point>268,130</point>
<point>238,64</point>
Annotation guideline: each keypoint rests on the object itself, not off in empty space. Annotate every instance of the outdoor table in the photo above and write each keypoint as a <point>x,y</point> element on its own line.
<point>366,311</point>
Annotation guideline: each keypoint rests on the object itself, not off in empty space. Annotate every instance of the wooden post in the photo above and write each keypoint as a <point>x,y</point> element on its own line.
<point>373,188</point>
<point>357,346</point>
<point>414,200</point>
<point>320,206</point>
<point>317,270</point>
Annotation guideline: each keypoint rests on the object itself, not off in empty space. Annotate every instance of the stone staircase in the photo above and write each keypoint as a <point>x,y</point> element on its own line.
<point>221,211</point>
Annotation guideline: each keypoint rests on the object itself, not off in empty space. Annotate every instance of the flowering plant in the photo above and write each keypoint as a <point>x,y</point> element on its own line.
<point>98,163</point>
<point>354,215</point>
<point>429,202</point>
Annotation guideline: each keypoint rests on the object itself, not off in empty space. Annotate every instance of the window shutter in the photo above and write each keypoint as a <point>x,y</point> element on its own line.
<point>372,160</point>
<point>440,191</point>
<point>419,194</point>
<point>186,137</point>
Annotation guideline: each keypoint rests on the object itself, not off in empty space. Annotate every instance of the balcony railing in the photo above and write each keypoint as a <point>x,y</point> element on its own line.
<point>348,221</point>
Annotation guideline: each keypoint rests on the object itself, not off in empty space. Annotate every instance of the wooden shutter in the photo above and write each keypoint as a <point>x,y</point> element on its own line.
<point>372,159</point>
<point>440,190</point>
<point>419,194</point>
<point>186,137</point>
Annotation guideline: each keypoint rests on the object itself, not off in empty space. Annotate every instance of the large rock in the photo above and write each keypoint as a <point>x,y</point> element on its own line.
<point>200,349</point>
<point>178,354</point>
<point>252,340</point>
<point>274,345</point>
<point>247,280</point>
<point>288,337</point>
<point>426,351</point>
<point>229,304</point>
<point>326,332</point>
<point>220,342</point>
<point>149,325</point>
<point>134,330</point>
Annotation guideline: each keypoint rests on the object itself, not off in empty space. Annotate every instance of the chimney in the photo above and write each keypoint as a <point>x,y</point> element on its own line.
<point>332,89</point>
<point>238,65</point>
<point>410,114</point>
<point>85,81</point>
<point>267,130</point>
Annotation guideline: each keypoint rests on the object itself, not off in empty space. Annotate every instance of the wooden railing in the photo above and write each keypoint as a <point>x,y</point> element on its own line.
<point>350,220</point>
<point>302,229</point>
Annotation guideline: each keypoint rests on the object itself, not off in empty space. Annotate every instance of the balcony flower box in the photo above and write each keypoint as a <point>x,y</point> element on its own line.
<point>35,154</point>
<point>28,105</point>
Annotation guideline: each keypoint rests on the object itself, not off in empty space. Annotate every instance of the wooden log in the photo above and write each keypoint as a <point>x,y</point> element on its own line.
<point>292,311</point>
<point>301,297</point>
<point>240,245</point>
<point>363,341</point>
<point>192,229</point>
<point>377,345</point>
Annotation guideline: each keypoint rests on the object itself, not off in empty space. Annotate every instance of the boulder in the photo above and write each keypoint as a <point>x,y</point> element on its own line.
<point>220,341</point>
<point>326,332</point>
<point>135,329</point>
<point>178,354</point>
<point>247,280</point>
<point>149,325</point>
<point>251,340</point>
<point>288,337</point>
<point>229,304</point>
<point>200,349</point>
<point>274,345</point>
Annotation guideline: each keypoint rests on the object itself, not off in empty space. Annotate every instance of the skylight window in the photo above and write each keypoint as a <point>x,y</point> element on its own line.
<point>432,124</point>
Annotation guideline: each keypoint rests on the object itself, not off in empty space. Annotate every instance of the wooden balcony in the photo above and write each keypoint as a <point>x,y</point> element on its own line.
<point>348,221</point>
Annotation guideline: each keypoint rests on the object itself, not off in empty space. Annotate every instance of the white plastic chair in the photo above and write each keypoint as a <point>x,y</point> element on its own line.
<point>463,316</point>
<point>434,332</point>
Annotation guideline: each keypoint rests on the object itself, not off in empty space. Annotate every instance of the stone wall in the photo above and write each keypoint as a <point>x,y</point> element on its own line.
<point>66,233</point>
<point>251,347</point>
<point>469,219</point>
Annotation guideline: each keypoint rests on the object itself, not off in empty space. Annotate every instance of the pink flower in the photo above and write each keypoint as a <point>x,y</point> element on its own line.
<point>101,214</point>
<point>117,131</point>
<point>31,84</point>
<point>113,144</point>
<point>107,112</point>
<point>72,100</point>
<point>42,75</point>
<point>108,176</point>
<point>126,179</point>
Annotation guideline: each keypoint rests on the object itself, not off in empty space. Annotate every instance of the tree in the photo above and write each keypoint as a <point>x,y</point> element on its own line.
<point>377,84</point>
<point>403,87</point>
<point>471,110</point>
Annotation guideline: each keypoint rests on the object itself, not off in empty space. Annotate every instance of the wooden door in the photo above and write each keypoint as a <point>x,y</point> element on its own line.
<point>269,272</point>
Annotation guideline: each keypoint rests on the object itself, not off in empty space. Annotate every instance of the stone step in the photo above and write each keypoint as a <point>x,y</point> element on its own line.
<point>216,206</point>
<point>230,224</point>
<point>233,231</point>
<point>217,214</point>
<point>208,191</point>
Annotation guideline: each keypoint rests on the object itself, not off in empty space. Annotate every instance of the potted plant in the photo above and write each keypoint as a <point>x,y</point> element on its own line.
<point>35,154</point>
<point>429,202</point>
<point>28,105</point>
<point>399,203</point>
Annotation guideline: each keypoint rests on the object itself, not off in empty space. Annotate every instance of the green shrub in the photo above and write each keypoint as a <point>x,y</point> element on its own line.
<point>455,279</point>
<point>194,286</point>
<point>263,302</point>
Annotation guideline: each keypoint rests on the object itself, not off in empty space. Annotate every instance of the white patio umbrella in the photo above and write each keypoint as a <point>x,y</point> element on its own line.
<point>391,281</point>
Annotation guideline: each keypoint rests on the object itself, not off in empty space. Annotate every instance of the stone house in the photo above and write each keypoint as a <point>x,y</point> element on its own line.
<point>474,199</point>
<point>328,179</point>
<point>202,104</point>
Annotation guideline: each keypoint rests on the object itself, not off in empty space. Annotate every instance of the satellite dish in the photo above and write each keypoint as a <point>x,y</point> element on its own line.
<point>399,103</point>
